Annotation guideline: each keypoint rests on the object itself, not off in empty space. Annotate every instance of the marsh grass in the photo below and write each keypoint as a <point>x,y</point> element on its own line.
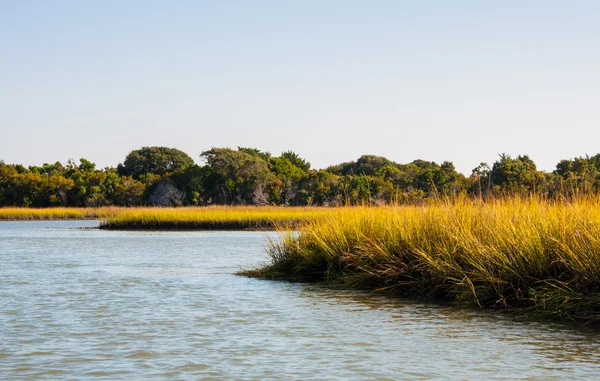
<point>9,213</point>
<point>213,218</point>
<point>183,218</point>
<point>528,256</point>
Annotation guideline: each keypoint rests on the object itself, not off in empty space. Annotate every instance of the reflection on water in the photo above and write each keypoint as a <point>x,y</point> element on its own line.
<point>561,342</point>
<point>91,304</point>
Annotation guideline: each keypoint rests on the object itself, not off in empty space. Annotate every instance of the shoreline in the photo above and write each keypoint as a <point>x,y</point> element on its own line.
<point>529,256</point>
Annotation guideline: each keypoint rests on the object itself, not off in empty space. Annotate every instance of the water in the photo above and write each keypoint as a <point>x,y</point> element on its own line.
<point>79,304</point>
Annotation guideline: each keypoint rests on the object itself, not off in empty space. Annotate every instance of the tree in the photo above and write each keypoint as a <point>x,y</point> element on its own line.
<point>482,176</point>
<point>236,176</point>
<point>319,188</point>
<point>365,165</point>
<point>86,165</point>
<point>266,156</point>
<point>128,192</point>
<point>295,159</point>
<point>283,189</point>
<point>191,180</point>
<point>580,174</point>
<point>155,160</point>
<point>514,175</point>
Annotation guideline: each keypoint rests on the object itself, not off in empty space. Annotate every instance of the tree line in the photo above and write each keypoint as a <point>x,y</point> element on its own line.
<point>248,176</point>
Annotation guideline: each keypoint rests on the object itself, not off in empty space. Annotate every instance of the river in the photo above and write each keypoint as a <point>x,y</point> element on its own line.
<point>83,304</point>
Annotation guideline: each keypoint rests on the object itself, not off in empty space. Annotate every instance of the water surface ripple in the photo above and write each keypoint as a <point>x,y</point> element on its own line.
<point>79,304</point>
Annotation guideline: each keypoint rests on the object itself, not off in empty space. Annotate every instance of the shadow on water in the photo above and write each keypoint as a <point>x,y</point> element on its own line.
<point>561,341</point>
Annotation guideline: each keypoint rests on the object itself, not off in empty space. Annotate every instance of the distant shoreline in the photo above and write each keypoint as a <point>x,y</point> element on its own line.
<point>230,218</point>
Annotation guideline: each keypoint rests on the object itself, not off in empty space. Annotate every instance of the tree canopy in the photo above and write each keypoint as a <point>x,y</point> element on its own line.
<point>250,176</point>
<point>154,160</point>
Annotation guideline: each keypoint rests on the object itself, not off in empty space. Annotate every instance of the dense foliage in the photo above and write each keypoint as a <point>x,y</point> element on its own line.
<point>248,176</point>
<point>154,160</point>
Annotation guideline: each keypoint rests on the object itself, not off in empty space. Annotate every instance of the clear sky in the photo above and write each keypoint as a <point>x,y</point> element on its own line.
<point>329,79</point>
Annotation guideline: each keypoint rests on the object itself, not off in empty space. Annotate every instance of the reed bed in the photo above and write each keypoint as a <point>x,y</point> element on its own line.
<point>9,213</point>
<point>528,256</point>
<point>213,218</point>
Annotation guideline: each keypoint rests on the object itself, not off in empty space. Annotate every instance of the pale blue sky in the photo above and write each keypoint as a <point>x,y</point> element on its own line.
<point>331,80</point>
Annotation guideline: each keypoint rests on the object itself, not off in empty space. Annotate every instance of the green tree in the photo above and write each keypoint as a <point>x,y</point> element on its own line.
<point>155,160</point>
<point>367,165</point>
<point>282,191</point>
<point>580,175</point>
<point>128,192</point>
<point>236,177</point>
<point>296,160</point>
<point>86,165</point>
<point>266,156</point>
<point>482,179</point>
<point>514,175</point>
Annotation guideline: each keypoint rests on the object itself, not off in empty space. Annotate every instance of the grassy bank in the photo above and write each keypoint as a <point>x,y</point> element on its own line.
<point>187,218</point>
<point>56,213</point>
<point>528,256</point>
<point>212,218</point>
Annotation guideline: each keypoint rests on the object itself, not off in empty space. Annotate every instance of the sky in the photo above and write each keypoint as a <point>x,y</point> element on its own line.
<point>332,80</point>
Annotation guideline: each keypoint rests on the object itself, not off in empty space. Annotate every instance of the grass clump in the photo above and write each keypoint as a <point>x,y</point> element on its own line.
<point>528,256</point>
<point>213,218</point>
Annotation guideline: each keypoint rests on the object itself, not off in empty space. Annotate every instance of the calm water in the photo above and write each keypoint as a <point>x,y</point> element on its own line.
<point>90,304</point>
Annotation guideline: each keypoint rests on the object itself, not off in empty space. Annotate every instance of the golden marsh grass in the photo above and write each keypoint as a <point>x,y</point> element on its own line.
<point>525,255</point>
<point>183,218</point>
<point>213,218</point>
<point>9,213</point>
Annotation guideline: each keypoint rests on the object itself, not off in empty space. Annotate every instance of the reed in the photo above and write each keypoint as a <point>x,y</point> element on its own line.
<point>529,256</point>
<point>212,218</point>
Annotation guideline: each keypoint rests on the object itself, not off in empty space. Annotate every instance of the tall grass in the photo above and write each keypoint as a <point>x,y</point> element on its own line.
<point>530,256</point>
<point>10,213</point>
<point>186,218</point>
<point>212,218</point>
